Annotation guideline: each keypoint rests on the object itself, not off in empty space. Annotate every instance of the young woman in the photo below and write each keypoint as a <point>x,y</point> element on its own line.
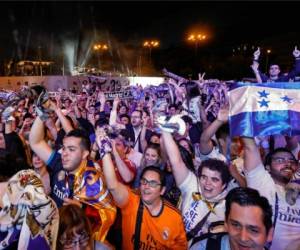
<point>151,157</point>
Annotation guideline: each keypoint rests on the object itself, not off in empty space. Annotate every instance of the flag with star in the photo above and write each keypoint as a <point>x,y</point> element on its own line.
<point>260,109</point>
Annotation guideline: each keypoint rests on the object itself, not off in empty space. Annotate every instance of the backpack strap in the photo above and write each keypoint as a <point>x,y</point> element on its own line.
<point>191,234</point>
<point>138,225</point>
<point>214,241</point>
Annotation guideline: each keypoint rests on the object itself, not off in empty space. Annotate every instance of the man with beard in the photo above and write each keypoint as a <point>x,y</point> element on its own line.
<point>75,179</point>
<point>271,181</point>
<point>134,128</point>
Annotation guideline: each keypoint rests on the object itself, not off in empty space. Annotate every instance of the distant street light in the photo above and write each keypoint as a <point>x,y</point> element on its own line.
<point>150,45</point>
<point>196,38</point>
<point>100,47</point>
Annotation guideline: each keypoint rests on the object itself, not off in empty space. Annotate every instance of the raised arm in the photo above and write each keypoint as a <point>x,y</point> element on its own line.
<point>73,99</point>
<point>66,125</point>
<point>117,189</point>
<point>113,115</point>
<point>124,171</point>
<point>255,70</point>
<point>255,65</point>
<point>252,157</point>
<point>50,124</point>
<point>296,70</point>
<point>8,120</point>
<point>37,142</point>
<point>180,171</point>
<point>206,144</point>
<point>203,116</point>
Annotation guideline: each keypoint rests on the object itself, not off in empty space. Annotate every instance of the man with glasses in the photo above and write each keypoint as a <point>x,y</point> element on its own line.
<point>271,182</point>
<point>134,127</point>
<point>274,70</point>
<point>148,222</point>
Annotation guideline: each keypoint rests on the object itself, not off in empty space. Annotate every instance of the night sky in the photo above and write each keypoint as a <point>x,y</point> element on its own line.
<point>30,30</point>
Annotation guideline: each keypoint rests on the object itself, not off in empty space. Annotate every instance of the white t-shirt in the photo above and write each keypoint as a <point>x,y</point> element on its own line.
<point>193,211</point>
<point>287,228</point>
<point>215,154</point>
<point>193,110</point>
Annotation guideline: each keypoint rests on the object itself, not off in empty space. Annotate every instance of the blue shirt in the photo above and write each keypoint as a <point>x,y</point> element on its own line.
<point>58,179</point>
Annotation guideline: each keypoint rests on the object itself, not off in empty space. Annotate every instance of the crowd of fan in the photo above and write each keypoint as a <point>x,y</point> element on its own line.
<point>83,172</point>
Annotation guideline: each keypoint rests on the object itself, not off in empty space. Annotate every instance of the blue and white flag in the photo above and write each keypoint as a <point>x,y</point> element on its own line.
<point>260,109</point>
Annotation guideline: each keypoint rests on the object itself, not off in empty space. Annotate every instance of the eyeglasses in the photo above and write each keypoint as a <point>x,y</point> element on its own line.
<point>81,240</point>
<point>151,183</point>
<point>281,160</point>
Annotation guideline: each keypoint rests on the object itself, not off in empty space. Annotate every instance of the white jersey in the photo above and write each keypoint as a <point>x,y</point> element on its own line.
<point>287,228</point>
<point>193,110</point>
<point>193,211</point>
<point>214,154</point>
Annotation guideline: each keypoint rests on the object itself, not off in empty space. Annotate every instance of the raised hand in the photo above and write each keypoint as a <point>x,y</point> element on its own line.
<point>201,77</point>
<point>296,52</point>
<point>116,103</point>
<point>72,97</point>
<point>256,54</point>
<point>53,106</point>
<point>255,66</point>
<point>101,97</point>
<point>223,113</point>
<point>103,142</point>
<point>58,99</point>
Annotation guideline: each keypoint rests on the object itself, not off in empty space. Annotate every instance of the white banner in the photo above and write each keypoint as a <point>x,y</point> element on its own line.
<point>53,83</point>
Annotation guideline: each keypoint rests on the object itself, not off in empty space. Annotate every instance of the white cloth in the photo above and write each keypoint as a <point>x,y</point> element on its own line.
<point>193,110</point>
<point>287,228</point>
<point>28,211</point>
<point>214,154</point>
<point>135,157</point>
<point>193,211</point>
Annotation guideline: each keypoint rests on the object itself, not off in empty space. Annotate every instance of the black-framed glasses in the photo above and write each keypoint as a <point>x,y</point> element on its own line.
<point>281,160</point>
<point>82,240</point>
<point>151,183</point>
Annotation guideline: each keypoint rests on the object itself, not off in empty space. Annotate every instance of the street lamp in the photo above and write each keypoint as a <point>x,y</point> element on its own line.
<point>150,44</point>
<point>98,48</point>
<point>196,38</point>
